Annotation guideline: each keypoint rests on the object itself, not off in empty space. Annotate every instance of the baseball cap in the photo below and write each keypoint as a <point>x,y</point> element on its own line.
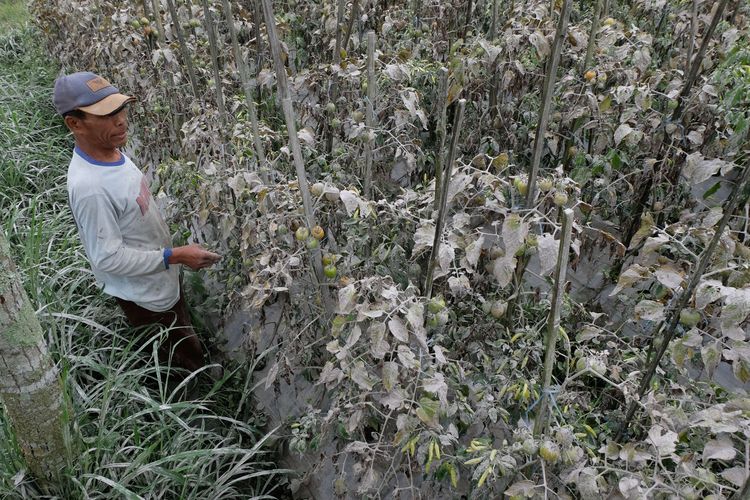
<point>87,92</point>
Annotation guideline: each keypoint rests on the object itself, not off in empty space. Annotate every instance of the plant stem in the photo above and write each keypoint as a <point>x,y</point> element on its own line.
<point>544,111</point>
<point>739,194</point>
<point>493,24</point>
<point>435,252</point>
<point>553,320</point>
<point>350,25</point>
<point>369,111</point>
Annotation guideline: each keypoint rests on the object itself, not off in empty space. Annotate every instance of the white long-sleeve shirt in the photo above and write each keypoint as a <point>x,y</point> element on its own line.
<point>122,231</point>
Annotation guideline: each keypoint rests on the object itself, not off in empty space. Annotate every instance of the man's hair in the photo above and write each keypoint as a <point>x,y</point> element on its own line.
<point>75,113</point>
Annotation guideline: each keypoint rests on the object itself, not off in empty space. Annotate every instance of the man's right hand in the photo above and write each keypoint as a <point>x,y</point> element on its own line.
<point>193,256</point>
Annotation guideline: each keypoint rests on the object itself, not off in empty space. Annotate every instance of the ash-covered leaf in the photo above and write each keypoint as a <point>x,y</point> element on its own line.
<point>390,375</point>
<point>398,329</point>
<point>698,169</point>
<point>664,440</point>
<point>548,249</point>
<point>436,385</point>
<point>423,237</point>
<point>721,448</point>
<point>622,132</point>
<point>631,275</point>
<point>347,299</point>
<point>649,310</point>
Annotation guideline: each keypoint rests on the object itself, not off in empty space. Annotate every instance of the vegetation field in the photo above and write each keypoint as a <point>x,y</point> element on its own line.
<point>471,249</point>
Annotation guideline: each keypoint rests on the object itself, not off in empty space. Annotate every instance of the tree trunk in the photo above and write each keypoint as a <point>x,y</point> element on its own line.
<point>30,386</point>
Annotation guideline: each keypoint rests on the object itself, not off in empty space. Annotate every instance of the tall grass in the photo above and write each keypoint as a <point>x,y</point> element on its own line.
<point>136,435</point>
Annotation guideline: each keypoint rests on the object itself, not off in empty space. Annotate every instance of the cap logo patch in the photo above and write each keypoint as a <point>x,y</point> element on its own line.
<point>96,84</point>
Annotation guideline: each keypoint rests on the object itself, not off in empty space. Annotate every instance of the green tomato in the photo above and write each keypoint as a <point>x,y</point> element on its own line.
<point>436,305</point>
<point>302,233</point>
<point>330,271</point>
<point>312,243</point>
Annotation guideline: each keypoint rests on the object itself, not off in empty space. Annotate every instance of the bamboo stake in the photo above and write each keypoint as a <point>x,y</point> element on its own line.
<point>592,36</point>
<point>144,4</point>
<point>183,47</point>
<point>156,7</point>
<point>697,62</point>
<point>291,126</point>
<point>258,41</point>
<point>370,112</point>
<point>740,193</point>
<point>435,252</point>
<point>215,62</point>
<point>493,24</point>
<point>643,190</point>
<point>553,320</point>
<point>544,111</point>
<point>350,26</point>
<point>249,89</point>
<point>441,100</point>
<point>693,32</point>
<point>333,90</point>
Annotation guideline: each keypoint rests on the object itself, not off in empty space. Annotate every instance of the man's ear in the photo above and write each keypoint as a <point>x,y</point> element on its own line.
<point>73,123</point>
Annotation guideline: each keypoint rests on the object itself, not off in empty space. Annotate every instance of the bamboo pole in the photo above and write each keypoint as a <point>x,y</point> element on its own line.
<point>493,24</point>
<point>156,7</point>
<point>442,211</point>
<point>544,111</point>
<point>643,190</point>
<point>350,25</point>
<point>739,194</point>
<point>333,90</point>
<point>291,126</point>
<point>553,321</point>
<point>592,36</point>
<point>441,99</point>
<point>209,24</point>
<point>249,89</point>
<point>698,61</point>
<point>693,33</point>
<point>183,47</point>
<point>370,112</point>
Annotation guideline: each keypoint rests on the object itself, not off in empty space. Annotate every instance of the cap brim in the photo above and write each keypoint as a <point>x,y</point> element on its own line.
<point>108,104</point>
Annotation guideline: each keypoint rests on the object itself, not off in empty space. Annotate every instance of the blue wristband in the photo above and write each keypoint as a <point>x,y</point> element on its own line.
<point>167,255</point>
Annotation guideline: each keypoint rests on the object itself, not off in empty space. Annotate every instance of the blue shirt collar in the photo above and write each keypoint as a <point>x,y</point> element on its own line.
<point>89,159</point>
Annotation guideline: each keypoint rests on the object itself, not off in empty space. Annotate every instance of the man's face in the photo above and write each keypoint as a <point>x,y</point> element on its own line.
<point>105,132</point>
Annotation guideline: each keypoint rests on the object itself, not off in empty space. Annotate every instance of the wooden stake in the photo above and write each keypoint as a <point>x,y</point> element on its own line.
<point>493,24</point>
<point>544,111</point>
<point>441,100</point>
<point>553,321</point>
<point>183,47</point>
<point>156,7</point>
<point>739,194</point>
<point>693,31</point>
<point>249,89</point>
<point>291,126</point>
<point>370,112</point>
<point>442,211</point>
<point>698,61</point>
<point>592,36</point>
<point>209,25</point>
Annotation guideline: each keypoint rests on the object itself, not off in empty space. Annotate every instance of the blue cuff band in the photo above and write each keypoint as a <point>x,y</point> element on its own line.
<point>167,255</point>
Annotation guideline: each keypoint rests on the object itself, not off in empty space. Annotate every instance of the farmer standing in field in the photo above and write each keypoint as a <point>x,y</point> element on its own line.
<point>125,237</point>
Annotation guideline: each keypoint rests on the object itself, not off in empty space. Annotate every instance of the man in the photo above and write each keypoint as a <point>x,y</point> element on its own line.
<point>124,235</point>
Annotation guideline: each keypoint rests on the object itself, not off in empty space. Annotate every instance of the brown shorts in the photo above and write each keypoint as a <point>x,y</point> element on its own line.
<point>182,343</point>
